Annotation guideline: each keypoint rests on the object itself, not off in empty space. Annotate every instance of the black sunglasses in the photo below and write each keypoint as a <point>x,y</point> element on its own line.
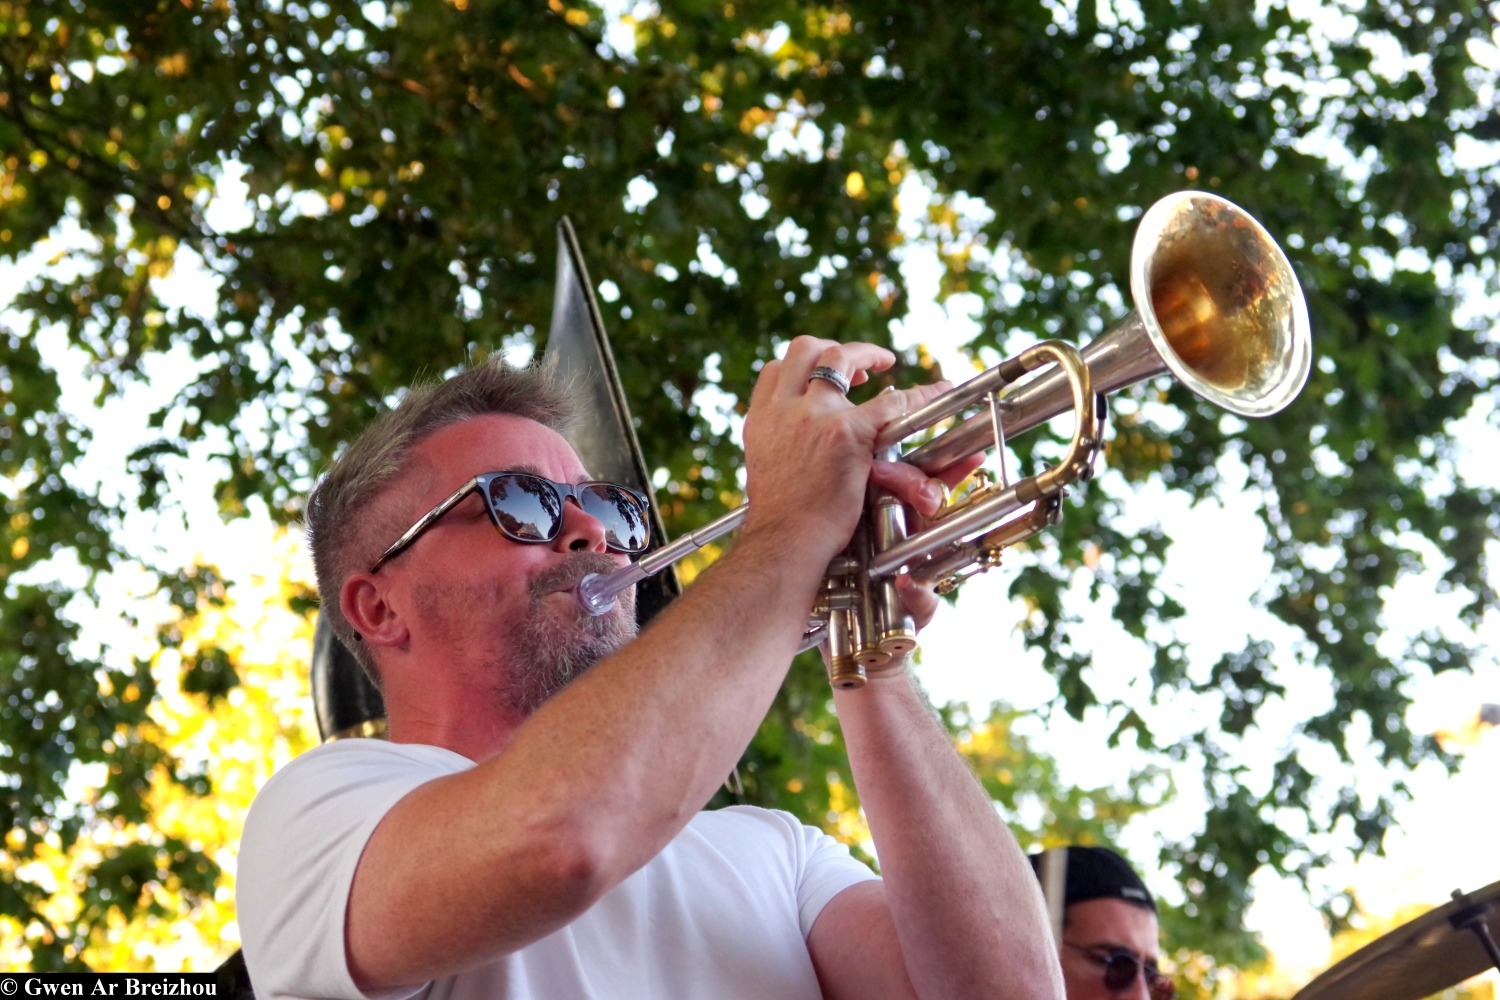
<point>529,508</point>
<point>1121,968</point>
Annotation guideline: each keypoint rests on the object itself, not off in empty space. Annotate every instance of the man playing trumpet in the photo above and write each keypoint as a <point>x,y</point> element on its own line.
<point>534,826</point>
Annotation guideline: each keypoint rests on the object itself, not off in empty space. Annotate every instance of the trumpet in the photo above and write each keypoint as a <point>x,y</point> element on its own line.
<point>1217,305</point>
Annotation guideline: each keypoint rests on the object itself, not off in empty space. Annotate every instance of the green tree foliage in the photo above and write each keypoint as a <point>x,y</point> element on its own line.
<point>733,171</point>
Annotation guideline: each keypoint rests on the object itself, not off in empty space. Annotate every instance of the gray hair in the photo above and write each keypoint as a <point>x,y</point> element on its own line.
<point>347,525</point>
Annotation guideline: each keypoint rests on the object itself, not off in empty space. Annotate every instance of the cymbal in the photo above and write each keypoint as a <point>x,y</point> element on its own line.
<point>1417,959</point>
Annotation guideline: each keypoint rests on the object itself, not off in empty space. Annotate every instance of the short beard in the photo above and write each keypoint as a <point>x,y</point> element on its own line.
<point>551,649</point>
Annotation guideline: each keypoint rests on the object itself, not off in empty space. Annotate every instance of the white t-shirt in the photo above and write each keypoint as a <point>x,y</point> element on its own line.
<point>723,912</point>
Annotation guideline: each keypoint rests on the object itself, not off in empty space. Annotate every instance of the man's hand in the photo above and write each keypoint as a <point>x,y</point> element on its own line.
<point>923,495</point>
<point>809,450</point>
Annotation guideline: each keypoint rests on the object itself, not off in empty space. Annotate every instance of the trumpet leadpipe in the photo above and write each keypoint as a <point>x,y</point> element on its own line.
<point>597,592</point>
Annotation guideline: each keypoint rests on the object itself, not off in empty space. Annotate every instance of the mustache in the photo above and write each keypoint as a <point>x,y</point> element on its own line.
<point>565,576</point>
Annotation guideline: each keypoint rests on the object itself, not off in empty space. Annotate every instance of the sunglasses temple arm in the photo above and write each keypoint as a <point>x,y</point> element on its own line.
<point>597,591</point>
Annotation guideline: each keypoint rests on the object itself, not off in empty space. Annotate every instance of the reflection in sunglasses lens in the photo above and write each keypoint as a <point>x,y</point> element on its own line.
<point>530,509</point>
<point>621,514</point>
<point>527,509</point>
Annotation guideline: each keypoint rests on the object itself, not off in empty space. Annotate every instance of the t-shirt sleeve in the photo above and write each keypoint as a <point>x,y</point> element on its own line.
<point>303,838</point>
<point>827,870</point>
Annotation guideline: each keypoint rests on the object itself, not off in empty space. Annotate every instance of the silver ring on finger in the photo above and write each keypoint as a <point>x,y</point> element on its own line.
<point>833,376</point>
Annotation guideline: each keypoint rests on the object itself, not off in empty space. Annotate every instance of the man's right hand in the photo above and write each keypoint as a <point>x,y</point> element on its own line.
<point>809,450</point>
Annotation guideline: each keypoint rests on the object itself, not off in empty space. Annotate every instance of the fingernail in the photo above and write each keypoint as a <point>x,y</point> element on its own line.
<point>932,492</point>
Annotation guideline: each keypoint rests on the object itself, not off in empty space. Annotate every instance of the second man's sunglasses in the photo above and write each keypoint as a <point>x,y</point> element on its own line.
<point>529,508</point>
<point>1121,968</point>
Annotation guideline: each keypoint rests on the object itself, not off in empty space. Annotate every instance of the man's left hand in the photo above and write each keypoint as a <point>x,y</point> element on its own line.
<point>923,495</point>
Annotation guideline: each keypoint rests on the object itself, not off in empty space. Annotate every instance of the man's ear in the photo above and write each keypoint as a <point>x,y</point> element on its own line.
<point>364,604</point>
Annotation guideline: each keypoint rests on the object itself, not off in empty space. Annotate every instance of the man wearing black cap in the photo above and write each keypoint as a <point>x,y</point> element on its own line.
<point>1106,923</point>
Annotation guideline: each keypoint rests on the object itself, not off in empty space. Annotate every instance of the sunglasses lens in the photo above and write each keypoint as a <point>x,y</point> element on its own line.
<point>622,513</point>
<point>1119,971</point>
<point>527,508</point>
<point>530,509</point>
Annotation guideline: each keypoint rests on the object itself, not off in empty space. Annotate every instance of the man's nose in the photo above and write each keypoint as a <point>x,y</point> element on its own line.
<point>581,531</point>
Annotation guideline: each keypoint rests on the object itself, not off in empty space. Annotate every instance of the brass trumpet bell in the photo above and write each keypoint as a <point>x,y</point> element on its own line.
<point>1217,304</point>
<point>1220,304</point>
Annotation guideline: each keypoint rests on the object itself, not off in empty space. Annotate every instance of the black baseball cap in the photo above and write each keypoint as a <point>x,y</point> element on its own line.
<point>1097,873</point>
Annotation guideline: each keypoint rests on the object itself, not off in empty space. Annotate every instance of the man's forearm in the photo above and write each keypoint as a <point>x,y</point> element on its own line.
<point>966,907</point>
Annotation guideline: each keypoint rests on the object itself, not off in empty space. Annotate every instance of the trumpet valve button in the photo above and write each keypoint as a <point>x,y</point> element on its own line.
<point>898,643</point>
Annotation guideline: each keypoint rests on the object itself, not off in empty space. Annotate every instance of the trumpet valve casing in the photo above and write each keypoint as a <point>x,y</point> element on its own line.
<point>892,632</point>
<point>845,671</point>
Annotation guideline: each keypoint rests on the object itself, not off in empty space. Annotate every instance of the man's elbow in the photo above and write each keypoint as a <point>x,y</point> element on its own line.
<point>578,867</point>
<point>570,866</point>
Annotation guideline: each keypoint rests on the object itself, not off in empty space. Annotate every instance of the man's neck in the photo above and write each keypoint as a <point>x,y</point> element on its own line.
<point>470,725</point>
